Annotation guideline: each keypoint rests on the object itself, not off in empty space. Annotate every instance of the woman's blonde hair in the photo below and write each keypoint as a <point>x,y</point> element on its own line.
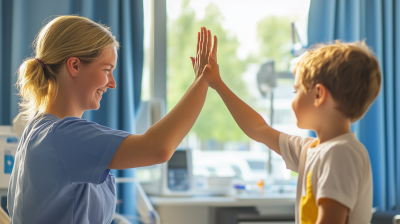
<point>60,39</point>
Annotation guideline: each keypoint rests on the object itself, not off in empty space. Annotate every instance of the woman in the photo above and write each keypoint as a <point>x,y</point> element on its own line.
<point>61,172</point>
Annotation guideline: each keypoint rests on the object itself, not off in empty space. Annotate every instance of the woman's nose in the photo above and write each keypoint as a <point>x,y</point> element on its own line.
<point>111,82</point>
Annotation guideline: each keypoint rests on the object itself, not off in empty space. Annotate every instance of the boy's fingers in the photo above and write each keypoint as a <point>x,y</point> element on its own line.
<point>209,41</point>
<point>212,61</point>
<point>214,48</point>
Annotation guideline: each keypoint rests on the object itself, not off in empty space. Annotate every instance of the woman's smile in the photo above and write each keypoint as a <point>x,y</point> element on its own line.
<point>100,92</point>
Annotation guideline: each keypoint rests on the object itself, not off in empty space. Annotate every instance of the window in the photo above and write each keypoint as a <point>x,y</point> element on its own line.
<point>250,34</point>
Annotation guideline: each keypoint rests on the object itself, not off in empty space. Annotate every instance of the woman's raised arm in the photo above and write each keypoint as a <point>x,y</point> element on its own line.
<point>161,140</point>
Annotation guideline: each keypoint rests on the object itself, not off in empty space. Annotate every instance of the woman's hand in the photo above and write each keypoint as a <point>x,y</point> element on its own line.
<point>203,49</point>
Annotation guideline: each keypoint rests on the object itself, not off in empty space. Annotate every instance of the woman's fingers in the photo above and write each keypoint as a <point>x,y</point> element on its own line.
<point>205,49</point>
<point>206,40</point>
<point>204,44</point>
<point>201,42</point>
<point>201,36</point>
<point>198,42</point>
<point>193,61</point>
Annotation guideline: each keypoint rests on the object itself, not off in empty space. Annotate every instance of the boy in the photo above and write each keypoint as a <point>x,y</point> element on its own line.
<point>335,85</point>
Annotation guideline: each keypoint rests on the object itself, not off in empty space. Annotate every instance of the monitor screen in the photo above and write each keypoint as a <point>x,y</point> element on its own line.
<point>178,178</point>
<point>178,160</point>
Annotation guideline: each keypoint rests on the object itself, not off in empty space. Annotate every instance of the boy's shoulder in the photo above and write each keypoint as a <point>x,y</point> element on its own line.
<point>344,148</point>
<point>348,140</point>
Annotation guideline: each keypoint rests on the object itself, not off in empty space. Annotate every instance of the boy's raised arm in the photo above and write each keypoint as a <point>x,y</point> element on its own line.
<point>251,123</point>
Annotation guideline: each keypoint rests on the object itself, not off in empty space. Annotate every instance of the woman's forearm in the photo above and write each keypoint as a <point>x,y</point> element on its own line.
<point>161,140</point>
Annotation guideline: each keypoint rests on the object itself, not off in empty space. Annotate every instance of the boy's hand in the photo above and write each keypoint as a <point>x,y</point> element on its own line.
<point>211,71</point>
<point>202,52</point>
<point>214,48</point>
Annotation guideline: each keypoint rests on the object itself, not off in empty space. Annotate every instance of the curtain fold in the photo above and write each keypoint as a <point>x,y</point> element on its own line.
<point>378,23</point>
<point>21,20</point>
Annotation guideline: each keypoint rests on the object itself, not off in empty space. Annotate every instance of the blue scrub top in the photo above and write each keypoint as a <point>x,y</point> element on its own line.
<point>60,172</point>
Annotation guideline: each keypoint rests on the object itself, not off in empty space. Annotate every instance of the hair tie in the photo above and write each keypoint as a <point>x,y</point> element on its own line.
<point>41,63</point>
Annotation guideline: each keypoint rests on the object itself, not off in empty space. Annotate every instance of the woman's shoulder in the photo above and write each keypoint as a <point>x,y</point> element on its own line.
<point>66,121</point>
<point>74,127</point>
<point>49,124</point>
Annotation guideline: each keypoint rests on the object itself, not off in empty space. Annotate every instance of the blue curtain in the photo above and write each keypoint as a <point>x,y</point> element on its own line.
<point>22,19</point>
<point>377,22</point>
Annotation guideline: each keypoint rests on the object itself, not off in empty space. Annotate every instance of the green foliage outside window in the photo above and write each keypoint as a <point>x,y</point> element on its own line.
<point>215,121</point>
<point>274,34</point>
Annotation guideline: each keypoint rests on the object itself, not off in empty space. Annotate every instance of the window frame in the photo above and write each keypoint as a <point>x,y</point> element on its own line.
<point>158,50</point>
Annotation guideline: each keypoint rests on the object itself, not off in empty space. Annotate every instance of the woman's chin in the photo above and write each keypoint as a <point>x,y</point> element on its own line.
<point>95,106</point>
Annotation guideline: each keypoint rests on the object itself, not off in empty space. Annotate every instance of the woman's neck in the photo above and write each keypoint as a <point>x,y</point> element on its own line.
<point>62,105</point>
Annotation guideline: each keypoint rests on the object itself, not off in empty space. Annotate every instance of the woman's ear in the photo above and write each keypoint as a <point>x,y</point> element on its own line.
<point>321,93</point>
<point>73,64</point>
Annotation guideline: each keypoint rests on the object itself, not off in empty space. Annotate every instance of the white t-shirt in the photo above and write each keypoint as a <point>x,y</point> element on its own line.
<point>338,169</point>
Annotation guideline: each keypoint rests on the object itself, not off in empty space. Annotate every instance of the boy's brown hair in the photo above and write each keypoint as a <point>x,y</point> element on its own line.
<point>350,72</point>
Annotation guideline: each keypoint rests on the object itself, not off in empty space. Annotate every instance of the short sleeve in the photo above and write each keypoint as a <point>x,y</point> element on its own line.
<point>290,147</point>
<point>85,148</point>
<point>339,175</point>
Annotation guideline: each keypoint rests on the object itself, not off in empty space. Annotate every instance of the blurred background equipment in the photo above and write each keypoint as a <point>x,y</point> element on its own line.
<point>266,78</point>
<point>149,113</point>
<point>299,37</point>
<point>173,178</point>
<point>147,214</point>
<point>8,148</point>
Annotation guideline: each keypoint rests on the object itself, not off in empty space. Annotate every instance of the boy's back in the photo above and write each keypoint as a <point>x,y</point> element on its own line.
<point>338,169</point>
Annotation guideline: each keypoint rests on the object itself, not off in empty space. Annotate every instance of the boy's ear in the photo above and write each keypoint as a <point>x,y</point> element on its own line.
<point>73,64</point>
<point>321,93</point>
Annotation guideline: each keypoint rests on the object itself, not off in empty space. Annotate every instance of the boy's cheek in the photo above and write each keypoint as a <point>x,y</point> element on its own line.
<point>298,119</point>
<point>296,113</point>
<point>294,102</point>
<point>301,114</point>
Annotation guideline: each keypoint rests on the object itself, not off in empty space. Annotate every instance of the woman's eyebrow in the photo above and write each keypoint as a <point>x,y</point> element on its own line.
<point>112,66</point>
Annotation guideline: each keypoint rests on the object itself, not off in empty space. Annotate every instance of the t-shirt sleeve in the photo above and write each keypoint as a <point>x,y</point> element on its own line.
<point>290,147</point>
<point>339,176</point>
<point>85,148</point>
